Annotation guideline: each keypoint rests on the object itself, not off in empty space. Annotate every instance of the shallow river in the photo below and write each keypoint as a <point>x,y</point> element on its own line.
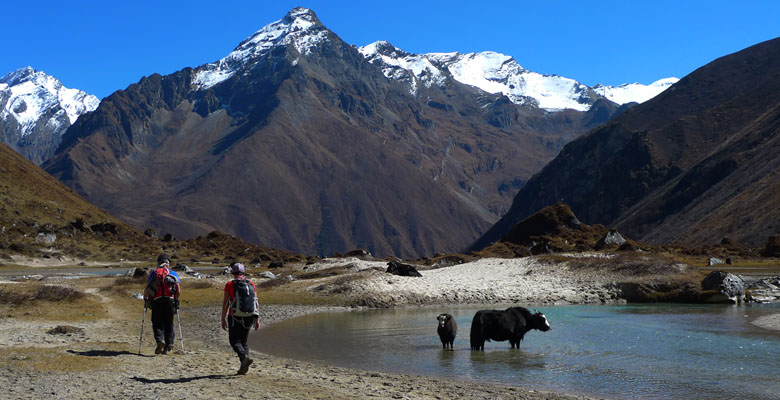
<point>627,352</point>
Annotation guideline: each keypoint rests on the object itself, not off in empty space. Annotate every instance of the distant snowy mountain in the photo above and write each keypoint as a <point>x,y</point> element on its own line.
<point>36,109</point>
<point>498,73</point>
<point>634,92</point>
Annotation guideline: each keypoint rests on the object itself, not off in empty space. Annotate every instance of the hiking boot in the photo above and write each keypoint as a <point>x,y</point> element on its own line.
<point>166,349</point>
<point>245,363</point>
<point>160,347</point>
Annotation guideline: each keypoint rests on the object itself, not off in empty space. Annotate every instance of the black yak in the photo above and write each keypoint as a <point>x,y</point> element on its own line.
<point>447,329</point>
<point>396,268</point>
<point>510,324</point>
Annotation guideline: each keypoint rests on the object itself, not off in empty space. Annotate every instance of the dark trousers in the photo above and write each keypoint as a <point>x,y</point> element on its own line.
<point>162,320</point>
<point>238,333</point>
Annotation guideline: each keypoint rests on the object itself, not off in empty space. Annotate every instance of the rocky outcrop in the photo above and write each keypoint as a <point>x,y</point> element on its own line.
<point>552,229</point>
<point>726,288</point>
<point>765,290</point>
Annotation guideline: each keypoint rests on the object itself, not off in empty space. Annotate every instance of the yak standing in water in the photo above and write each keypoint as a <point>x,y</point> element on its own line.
<point>447,329</point>
<point>510,324</point>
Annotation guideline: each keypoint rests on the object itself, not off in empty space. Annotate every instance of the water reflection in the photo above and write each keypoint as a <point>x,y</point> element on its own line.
<point>648,351</point>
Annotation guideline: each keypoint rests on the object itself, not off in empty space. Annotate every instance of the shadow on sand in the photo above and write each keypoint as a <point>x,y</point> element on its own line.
<point>106,353</point>
<point>179,380</point>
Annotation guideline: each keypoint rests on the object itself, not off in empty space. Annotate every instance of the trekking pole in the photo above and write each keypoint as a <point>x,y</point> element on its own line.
<point>181,337</point>
<point>141,339</point>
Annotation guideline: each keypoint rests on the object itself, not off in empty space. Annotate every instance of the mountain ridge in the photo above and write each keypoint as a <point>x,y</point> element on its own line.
<point>305,145</point>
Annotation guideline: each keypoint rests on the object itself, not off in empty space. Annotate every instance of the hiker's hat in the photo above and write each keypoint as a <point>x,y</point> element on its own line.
<point>237,268</point>
<point>162,259</point>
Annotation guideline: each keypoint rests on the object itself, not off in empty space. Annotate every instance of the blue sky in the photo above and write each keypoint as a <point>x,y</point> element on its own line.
<point>103,46</point>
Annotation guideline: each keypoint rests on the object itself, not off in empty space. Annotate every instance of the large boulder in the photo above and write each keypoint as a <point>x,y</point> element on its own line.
<point>728,288</point>
<point>611,240</point>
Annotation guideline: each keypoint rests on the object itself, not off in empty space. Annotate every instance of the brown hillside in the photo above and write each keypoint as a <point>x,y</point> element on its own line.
<point>691,166</point>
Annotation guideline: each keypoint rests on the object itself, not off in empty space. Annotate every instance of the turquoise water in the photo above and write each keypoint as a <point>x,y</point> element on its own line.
<point>626,352</point>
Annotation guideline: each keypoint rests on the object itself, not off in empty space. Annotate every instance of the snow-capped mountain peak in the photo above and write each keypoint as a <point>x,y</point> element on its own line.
<point>31,94</point>
<point>36,109</point>
<point>499,73</point>
<point>490,71</point>
<point>300,27</point>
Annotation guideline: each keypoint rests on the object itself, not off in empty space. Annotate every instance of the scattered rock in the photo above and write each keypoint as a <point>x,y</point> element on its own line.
<point>766,290</point>
<point>276,264</point>
<point>136,272</point>
<point>268,275</point>
<point>46,238</point>
<point>182,267</point>
<point>35,277</point>
<point>714,261</point>
<point>612,239</point>
<point>359,253</point>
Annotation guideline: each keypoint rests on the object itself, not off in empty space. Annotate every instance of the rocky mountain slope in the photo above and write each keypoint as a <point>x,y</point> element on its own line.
<point>35,111</point>
<point>295,140</point>
<point>692,165</point>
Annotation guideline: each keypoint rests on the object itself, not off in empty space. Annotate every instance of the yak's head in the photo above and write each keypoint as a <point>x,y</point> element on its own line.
<point>539,321</point>
<point>443,318</point>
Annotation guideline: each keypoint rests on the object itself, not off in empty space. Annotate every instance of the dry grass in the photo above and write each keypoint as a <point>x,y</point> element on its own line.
<point>43,359</point>
<point>200,284</point>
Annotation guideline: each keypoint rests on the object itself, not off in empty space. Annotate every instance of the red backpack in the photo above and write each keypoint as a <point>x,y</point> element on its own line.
<point>162,284</point>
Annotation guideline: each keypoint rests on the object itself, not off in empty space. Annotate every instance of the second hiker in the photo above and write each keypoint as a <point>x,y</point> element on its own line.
<point>162,296</point>
<point>240,313</point>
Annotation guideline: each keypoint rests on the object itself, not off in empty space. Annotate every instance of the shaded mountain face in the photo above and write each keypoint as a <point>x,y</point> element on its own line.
<point>695,164</point>
<point>294,140</point>
<point>36,110</point>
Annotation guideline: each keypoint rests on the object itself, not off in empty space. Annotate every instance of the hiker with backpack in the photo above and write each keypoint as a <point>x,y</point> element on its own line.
<point>162,296</point>
<point>240,313</point>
